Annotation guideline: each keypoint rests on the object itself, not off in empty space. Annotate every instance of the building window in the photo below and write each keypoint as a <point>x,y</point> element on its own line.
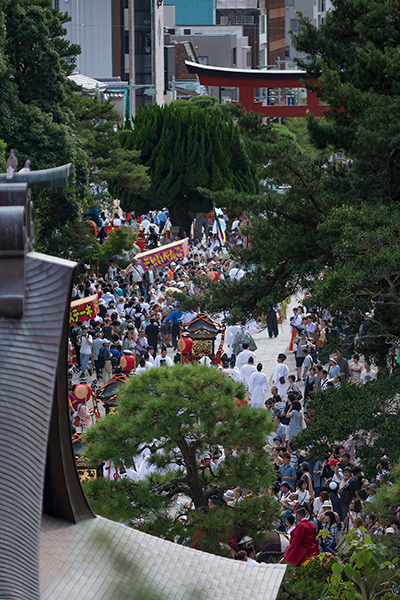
<point>287,51</point>
<point>294,25</point>
<point>262,58</point>
<point>323,5</point>
<point>289,2</point>
<point>234,57</point>
<point>126,42</point>
<point>319,5</point>
<point>262,21</point>
<point>126,3</point>
<point>187,32</point>
<point>248,59</point>
<point>241,20</point>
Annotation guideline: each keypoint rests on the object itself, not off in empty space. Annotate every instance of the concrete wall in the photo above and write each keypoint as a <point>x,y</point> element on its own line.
<point>211,49</point>
<point>304,6</point>
<point>91,28</point>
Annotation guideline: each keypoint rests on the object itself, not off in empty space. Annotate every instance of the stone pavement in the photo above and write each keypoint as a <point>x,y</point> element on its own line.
<point>269,348</point>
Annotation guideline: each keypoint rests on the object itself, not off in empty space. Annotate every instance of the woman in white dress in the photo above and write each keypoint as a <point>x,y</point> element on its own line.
<point>258,388</point>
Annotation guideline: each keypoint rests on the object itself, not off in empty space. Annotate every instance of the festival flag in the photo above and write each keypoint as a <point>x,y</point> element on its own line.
<point>219,214</point>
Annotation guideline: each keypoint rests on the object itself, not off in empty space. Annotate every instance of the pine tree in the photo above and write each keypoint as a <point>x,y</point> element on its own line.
<point>179,413</point>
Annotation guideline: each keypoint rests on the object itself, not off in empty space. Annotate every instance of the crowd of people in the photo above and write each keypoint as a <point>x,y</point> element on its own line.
<point>138,315</point>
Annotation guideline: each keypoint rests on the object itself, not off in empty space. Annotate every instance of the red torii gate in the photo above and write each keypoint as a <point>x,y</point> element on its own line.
<point>249,79</point>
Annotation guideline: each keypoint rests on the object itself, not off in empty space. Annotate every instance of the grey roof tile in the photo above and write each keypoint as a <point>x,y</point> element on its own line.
<point>100,560</point>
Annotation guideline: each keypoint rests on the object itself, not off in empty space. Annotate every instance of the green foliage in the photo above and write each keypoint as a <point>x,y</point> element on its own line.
<point>124,174</point>
<point>119,241</point>
<point>339,215</point>
<point>307,582</point>
<point>339,413</point>
<point>73,241</point>
<point>355,55</point>
<point>283,254</point>
<point>33,118</point>
<point>179,413</point>
<point>2,156</point>
<point>386,500</point>
<point>187,146</point>
<point>359,570</point>
<point>364,572</point>
<point>298,126</point>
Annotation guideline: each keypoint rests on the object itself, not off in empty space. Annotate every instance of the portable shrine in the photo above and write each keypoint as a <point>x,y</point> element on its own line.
<point>203,331</point>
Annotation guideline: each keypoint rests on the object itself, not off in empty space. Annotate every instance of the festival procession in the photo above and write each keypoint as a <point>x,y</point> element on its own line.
<point>131,320</point>
<point>199,300</point>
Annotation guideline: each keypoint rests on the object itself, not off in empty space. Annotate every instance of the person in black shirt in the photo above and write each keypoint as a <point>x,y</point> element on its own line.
<point>152,332</point>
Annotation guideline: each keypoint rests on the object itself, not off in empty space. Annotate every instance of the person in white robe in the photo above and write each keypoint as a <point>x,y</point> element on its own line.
<point>233,371</point>
<point>281,373</point>
<point>205,360</point>
<point>247,371</point>
<point>258,388</point>
<point>230,333</point>
<point>244,356</point>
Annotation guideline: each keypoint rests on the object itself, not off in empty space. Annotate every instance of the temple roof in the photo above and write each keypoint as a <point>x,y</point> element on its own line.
<point>98,559</point>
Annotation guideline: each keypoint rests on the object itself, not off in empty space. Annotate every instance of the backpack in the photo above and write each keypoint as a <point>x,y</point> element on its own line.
<point>138,320</point>
<point>74,335</point>
<point>101,360</point>
<point>346,495</point>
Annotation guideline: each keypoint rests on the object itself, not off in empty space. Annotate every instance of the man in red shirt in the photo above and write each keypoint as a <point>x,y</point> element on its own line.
<point>303,540</point>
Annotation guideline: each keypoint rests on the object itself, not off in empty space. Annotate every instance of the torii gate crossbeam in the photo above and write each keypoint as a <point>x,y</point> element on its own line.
<point>249,79</point>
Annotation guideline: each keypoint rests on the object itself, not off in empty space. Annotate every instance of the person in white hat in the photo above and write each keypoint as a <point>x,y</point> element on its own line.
<point>229,497</point>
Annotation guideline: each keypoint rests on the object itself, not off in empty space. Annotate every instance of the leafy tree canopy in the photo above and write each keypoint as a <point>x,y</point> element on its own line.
<point>34,120</point>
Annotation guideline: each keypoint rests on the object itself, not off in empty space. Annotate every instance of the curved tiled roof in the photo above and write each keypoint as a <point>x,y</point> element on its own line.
<point>99,559</point>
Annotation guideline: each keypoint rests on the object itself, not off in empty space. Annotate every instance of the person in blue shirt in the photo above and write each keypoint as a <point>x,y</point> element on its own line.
<point>116,355</point>
<point>287,471</point>
<point>174,317</point>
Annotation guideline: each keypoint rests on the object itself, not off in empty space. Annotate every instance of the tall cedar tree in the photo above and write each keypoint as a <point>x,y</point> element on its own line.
<point>186,147</point>
<point>179,413</point>
<point>283,255</point>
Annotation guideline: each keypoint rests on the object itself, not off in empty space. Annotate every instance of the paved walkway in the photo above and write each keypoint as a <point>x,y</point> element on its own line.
<point>269,348</point>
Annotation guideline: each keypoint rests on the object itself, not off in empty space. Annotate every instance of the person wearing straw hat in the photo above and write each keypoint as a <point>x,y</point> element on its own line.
<point>334,369</point>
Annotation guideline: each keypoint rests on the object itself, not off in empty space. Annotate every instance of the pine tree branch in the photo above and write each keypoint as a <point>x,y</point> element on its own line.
<point>172,482</point>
